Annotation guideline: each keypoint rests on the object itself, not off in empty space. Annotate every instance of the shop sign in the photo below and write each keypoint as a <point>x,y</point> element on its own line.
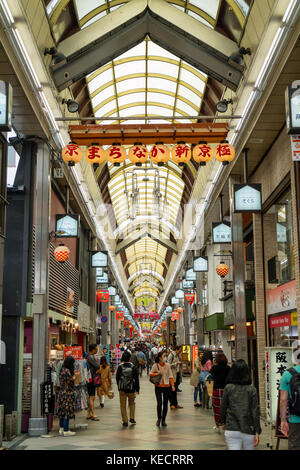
<point>282,320</point>
<point>104,319</point>
<point>174,301</point>
<point>186,352</point>
<point>120,315</point>
<point>102,279</point>
<point>47,403</point>
<point>277,360</point>
<point>175,316</point>
<point>112,291</point>
<point>70,300</point>
<point>294,319</point>
<point>195,351</point>
<point>247,197</point>
<point>292,107</point>
<point>201,264</point>
<point>190,275</point>
<point>67,225</point>
<point>99,272</point>
<point>169,308</point>
<point>99,259</point>
<point>221,232</point>
<point>295,146</point>
<point>281,233</point>
<point>6,95</point>
<point>190,298</point>
<point>74,351</point>
<point>282,298</point>
<point>229,312</point>
<point>187,284</point>
<point>84,317</point>
<point>102,296</point>
<point>179,294</point>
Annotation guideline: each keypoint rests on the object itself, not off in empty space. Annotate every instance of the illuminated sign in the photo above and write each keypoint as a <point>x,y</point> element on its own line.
<point>174,301</point>
<point>201,264</point>
<point>292,106</point>
<point>112,291</point>
<point>179,294</point>
<point>99,259</point>
<point>247,197</point>
<point>190,275</point>
<point>102,279</point>
<point>67,224</point>
<point>187,284</point>
<point>221,232</point>
<point>6,92</point>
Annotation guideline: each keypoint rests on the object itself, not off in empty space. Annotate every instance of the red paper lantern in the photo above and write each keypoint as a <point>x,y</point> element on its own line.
<point>61,253</point>
<point>71,154</point>
<point>95,154</point>
<point>222,269</point>
<point>116,154</point>
<point>111,308</point>
<point>225,152</point>
<point>138,154</point>
<point>160,153</point>
<point>181,153</point>
<point>202,153</point>
<point>179,310</point>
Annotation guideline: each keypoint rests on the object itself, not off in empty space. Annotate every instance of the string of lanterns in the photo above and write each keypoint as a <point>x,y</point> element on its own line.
<point>159,153</point>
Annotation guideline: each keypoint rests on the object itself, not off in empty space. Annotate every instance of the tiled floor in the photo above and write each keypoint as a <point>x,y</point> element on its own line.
<point>188,428</point>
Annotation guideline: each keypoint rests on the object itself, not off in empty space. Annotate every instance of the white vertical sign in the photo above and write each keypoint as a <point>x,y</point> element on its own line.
<point>295,144</point>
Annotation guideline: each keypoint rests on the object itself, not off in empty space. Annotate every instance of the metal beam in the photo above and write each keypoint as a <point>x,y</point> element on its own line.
<point>115,34</point>
<point>142,234</point>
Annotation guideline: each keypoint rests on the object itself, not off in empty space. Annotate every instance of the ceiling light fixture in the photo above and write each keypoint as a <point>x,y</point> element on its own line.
<point>72,105</point>
<point>223,105</point>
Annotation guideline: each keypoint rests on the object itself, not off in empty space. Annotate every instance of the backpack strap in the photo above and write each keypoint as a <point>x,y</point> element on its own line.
<point>292,371</point>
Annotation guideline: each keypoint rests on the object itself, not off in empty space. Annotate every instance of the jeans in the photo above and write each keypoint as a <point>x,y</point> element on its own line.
<point>64,423</point>
<point>202,386</point>
<point>237,440</point>
<point>196,391</point>
<point>162,397</point>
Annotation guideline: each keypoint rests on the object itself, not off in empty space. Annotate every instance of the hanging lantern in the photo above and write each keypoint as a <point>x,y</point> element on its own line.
<point>160,153</point>
<point>138,154</point>
<point>111,308</point>
<point>179,310</point>
<point>202,153</point>
<point>225,152</point>
<point>71,154</point>
<point>95,154</point>
<point>116,154</point>
<point>222,269</point>
<point>61,253</point>
<point>181,153</point>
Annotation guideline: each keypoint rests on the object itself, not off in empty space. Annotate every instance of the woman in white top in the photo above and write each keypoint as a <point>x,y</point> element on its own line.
<point>162,389</point>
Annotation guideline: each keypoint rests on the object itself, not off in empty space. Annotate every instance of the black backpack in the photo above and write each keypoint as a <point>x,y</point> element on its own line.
<point>294,401</point>
<point>126,382</point>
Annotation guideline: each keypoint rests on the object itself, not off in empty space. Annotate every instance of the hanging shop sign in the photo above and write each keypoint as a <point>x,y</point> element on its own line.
<point>119,315</point>
<point>281,233</point>
<point>102,296</point>
<point>201,264</point>
<point>169,308</point>
<point>71,154</point>
<point>221,232</point>
<point>112,291</point>
<point>202,153</point>
<point>186,353</point>
<point>277,361</point>
<point>104,319</point>
<point>102,279</point>
<point>95,154</point>
<point>282,298</point>
<point>179,294</point>
<point>67,225</point>
<point>74,351</point>
<point>247,198</point>
<point>292,107</point>
<point>84,317</point>
<point>47,398</point>
<point>99,259</point>
<point>163,324</point>
<point>175,316</point>
<point>190,275</point>
<point>70,300</point>
<point>229,312</point>
<point>6,101</point>
<point>174,301</point>
<point>99,272</point>
<point>190,298</point>
<point>295,146</point>
<point>187,284</point>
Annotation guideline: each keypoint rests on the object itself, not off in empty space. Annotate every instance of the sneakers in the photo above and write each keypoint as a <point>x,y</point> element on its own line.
<point>179,406</point>
<point>173,407</point>
<point>102,405</point>
<point>69,433</point>
<point>61,431</point>
<point>125,425</point>
<point>164,424</point>
<point>217,429</point>
<point>132,421</point>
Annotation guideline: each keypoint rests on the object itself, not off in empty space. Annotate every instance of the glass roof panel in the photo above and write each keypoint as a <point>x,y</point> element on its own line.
<point>100,80</point>
<point>192,79</point>
<point>211,7</point>
<point>156,50</point>
<point>135,51</point>
<point>106,109</point>
<point>162,83</point>
<point>131,98</point>
<point>83,7</point>
<point>137,66</point>
<point>132,83</point>
<point>189,95</point>
<point>103,95</point>
<point>93,20</point>
<point>133,111</point>
<point>162,98</point>
<point>183,107</point>
<point>199,18</point>
<point>155,66</point>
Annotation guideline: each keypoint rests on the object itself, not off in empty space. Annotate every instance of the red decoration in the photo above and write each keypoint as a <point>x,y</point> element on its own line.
<point>202,153</point>
<point>102,296</point>
<point>225,152</point>
<point>95,154</point>
<point>138,154</point>
<point>179,310</point>
<point>190,298</point>
<point>181,153</point>
<point>71,154</point>
<point>74,351</point>
<point>160,153</point>
<point>175,316</point>
<point>222,269</point>
<point>120,316</point>
<point>61,253</point>
<point>116,154</point>
<point>111,308</point>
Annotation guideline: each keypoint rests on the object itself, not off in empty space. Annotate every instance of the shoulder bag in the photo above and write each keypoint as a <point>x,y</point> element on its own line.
<point>156,379</point>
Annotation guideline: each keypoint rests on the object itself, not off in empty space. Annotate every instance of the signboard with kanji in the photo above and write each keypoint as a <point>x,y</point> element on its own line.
<point>74,351</point>
<point>47,398</point>
<point>295,145</point>
<point>221,232</point>
<point>102,296</point>
<point>278,360</point>
<point>247,198</point>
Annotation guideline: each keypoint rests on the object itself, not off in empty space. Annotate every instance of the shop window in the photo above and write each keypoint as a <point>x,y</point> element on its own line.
<point>278,240</point>
<point>283,336</point>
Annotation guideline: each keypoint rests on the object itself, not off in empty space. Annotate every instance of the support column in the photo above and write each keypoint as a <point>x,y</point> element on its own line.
<point>37,423</point>
<point>238,279</point>
<point>295,188</point>
<point>93,302</point>
<point>260,305</point>
<point>105,326</point>
<point>200,311</point>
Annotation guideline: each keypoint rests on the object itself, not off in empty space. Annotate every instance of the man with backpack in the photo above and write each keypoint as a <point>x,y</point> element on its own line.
<point>290,400</point>
<point>127,379</point>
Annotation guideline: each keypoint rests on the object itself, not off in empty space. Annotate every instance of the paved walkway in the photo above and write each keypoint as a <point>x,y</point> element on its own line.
<point>188,428</point>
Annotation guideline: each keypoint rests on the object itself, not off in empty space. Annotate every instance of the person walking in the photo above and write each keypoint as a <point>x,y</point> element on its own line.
<point>290,399</point>
<point>66,397</point>
<point>106,380</point>
<point>206,365</point>
<point>239,413</point>
<point>127,379</point>
<point>175,364</point>
<point>134,358</point>
<point>195,381</point>
<point>94,368</point>
<point>219,373</point>
<point>162,388</point>
<point>141,361</point>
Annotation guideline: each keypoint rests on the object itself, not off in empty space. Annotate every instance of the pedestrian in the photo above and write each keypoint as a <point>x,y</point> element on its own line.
<point>175,364</point>
<point>66,396</point>
<point>134,358</point>
<point>162,388</point>
<point>141,361</point>
<point>127,379</point>
<point>106,380</point>
<point>148,360</point>
<point>195,380</point>
<point>94,368</point>
<point>239,413</point>
<point>290,399</point>
<point>219,374</point>
<point>206,365</point>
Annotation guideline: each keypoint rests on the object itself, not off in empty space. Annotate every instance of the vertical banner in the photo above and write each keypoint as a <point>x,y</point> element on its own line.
<point>195,355</point>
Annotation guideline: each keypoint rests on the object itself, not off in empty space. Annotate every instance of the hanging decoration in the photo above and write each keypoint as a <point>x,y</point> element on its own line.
<point>119,315</point>
<point>111,308</point>
<point>138,154</point>
<point>175,316</point>
<point>95,154</point>
<point>71,154</point>
<point>202,153</point>
<point>116,154</point>
<point>160,153</point>
<point>179,310</point>
<point>224,152</point>
<point>102,296</point>
<point>190,298</point>
<point>222,269</point>
<point>61,253</point>
<point>181,153</point>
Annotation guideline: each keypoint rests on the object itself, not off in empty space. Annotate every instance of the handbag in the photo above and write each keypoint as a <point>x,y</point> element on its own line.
<point>97,382</point>
<point>156,379</point>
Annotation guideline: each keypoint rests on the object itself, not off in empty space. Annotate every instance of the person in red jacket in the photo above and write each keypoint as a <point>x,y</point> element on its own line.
<point>162,388</point>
